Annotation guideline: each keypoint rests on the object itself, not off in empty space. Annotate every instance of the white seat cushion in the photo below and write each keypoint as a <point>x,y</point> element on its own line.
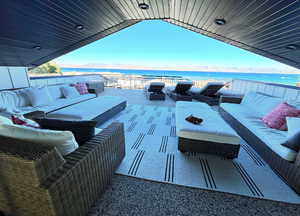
<point>87,110</point>
<point>57,104</point>
<point>252,120</point>
<point>207,130</point>
<point>64,141</point>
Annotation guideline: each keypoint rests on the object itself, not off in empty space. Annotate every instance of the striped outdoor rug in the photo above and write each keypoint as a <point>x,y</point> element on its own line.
<point>151,153</point>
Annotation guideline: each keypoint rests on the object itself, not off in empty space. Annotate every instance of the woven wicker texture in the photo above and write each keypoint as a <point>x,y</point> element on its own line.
<point>36,180</point>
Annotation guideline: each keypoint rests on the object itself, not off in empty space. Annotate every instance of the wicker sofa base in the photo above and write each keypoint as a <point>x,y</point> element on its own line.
<point>229,151</point>
<point>289,171</point>
<point>110,113</point>
<point>44,183</point>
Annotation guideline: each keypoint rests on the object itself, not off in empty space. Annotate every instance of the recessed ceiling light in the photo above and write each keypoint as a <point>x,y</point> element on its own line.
<point>37,47</point>
<point>143,6</point>
<point>220,21</point>
<point>292,47</point>
<point>79,27</point>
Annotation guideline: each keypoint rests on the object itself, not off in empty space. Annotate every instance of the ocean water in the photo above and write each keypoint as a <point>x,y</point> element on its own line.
<point>289,79</point>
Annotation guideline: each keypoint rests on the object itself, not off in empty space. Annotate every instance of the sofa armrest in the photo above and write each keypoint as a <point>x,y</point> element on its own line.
<point>297,160</point>
<point>230,99</point>
<point>109,144</point>
<point>87,171</point>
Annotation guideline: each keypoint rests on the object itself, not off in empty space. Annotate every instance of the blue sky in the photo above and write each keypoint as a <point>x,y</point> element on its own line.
<point>155,43</point>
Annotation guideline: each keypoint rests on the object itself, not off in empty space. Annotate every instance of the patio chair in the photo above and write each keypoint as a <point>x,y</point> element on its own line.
<point>181,91</point>
<point>154,91</point>
<point>207,94</point>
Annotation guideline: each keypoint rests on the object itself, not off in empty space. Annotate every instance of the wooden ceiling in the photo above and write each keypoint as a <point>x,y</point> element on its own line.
<point>34,32</point>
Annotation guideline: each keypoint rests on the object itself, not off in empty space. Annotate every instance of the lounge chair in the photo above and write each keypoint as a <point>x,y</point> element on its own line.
<point>207,94</point>
<point>181,91</point>
<point>154,91</point>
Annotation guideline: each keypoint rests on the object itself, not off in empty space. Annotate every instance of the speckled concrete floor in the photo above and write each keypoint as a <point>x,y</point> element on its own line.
<point>131,196</point>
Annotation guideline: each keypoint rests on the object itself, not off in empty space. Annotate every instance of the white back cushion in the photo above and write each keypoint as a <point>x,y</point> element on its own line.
<point>39,96</point>
<point>55,91</point>
<point>8,101</point>
<point>64,141</point>
<point>70,92</point>
<point>293,125</point>
<point>261,102</point>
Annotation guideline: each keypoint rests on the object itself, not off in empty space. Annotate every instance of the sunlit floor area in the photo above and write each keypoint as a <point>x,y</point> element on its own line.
<point>156,179</point>
<point>136,96</point>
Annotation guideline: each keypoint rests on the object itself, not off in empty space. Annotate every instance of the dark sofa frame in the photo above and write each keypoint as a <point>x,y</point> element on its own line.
<point>289,171</point>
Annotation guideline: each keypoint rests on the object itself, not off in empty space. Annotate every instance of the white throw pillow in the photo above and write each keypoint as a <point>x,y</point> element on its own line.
<point>39,96</point>
<point>64,141</point>
<point>70,92</point>
<point>293,125</point>
<point>8,101</point>
<point>55,91</point>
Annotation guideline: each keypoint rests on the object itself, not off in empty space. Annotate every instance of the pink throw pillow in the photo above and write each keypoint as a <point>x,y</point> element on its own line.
<point>277,117</point>
<point>81,88</point>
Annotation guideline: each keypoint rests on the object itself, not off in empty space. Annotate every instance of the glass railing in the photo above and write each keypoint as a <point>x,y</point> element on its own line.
<point>139,82</point>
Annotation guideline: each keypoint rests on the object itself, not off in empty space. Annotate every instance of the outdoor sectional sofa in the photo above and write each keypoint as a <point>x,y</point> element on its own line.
<point>246,117</point>
<point>37,179</point>
<point>83,107</point>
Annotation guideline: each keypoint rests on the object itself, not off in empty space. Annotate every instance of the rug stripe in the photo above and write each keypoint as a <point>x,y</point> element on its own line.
<point>131,126</point>
<point>208,177</point>
<point>173,115</point>
<point>253,155</point>
<point>133,117</point>
<point>163,145</point>
<point>248,180</point>
<point>136,163</point>
<point>151,129</point>
<point>173,131</point>
<point>168,121</point>
<point>150,120</point>
<point>138,141</point>
<point>169,170</point>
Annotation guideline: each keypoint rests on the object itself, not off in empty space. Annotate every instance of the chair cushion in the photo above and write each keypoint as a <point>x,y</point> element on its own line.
<point>276,117</point>
<point>64,141</point>
<point>82,130</point>
<point>81,88</point>
<point>39,96</point>
<point>70,92</point>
